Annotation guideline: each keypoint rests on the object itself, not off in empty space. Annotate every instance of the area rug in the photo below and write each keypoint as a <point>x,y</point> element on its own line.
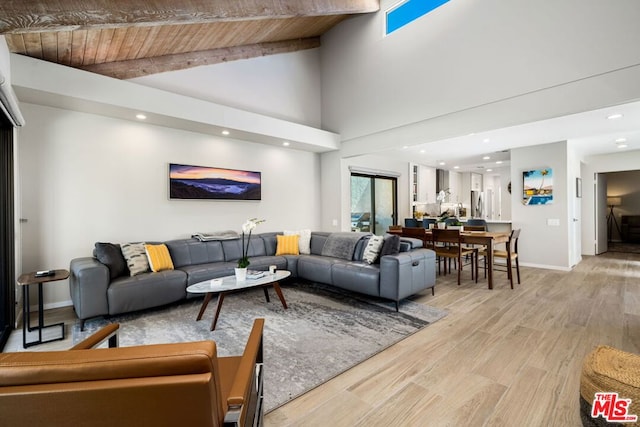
<point>324,332</point>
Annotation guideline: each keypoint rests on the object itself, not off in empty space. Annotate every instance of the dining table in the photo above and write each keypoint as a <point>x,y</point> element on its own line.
<point>485,238</point>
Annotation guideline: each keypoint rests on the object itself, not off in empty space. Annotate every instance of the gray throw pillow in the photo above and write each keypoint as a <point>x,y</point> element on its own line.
<point>391,245</point>
<point>110,255</point>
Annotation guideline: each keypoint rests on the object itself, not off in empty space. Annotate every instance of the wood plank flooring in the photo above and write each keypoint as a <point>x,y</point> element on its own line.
<point>500,358</point>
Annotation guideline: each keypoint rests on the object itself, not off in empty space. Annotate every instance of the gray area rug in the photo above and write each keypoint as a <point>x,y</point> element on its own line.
<point>324,332</point>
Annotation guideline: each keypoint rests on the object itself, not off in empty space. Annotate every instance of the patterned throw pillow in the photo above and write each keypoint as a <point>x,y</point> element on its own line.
<point>304,242</point>
<point>287,245</point>
<point>372,250</point>
<point>136,258</point>
<point>159,257</point>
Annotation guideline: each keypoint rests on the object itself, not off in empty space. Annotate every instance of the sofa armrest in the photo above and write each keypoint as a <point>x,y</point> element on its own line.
<point>88,284</point>
<point>407,273</point>
<point>109,332</point>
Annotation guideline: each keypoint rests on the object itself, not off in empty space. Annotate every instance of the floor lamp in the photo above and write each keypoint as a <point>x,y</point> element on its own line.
<point>611,218</point>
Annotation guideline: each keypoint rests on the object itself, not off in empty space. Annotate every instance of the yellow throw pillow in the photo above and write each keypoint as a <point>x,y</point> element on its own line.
<point>159,258</point>
<point>287,245</point>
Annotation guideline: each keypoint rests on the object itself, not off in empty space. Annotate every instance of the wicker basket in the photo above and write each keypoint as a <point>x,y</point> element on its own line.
<point>607,369</point>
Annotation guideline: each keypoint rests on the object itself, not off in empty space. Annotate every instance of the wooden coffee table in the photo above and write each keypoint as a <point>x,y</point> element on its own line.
<point>229,285</point>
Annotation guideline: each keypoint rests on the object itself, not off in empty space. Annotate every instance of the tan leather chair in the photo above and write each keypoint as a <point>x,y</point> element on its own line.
<point>183,384</point>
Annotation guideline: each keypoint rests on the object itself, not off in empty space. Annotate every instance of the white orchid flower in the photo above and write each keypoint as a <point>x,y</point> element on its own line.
<point>248,227</point>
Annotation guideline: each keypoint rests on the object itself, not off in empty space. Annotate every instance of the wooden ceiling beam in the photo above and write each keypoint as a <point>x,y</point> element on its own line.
<point>159,64</point>
<point>19,16</point>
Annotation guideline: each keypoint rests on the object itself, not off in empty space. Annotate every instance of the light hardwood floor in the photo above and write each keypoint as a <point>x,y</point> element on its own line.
<point>500,358</point>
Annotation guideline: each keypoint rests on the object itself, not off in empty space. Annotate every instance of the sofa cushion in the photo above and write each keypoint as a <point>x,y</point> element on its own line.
<point>316,268</point>
<point>146,290</point>
<point>110,254</point>
<point>136,258</point>
<point>288,245</point>
<point>232,249</point>
<point>192,251</point>
<point>159,258</point>
<point>357,276</point>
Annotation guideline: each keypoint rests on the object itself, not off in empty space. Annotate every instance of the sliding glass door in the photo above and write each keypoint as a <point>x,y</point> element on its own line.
<point>373,203</point>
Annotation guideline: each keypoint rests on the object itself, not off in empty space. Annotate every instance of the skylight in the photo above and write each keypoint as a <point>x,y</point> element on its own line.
<point>408,11</point>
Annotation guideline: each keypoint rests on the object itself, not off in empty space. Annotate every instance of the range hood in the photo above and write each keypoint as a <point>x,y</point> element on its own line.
<point>442,180</point>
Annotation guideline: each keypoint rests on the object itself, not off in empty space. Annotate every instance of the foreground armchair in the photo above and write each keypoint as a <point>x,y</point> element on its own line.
<point>182,384</point>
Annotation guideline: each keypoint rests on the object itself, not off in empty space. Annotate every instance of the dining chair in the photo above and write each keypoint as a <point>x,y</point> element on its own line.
<point>447,245</point>
<point>476,222</point>
<point>411,222</point>
<point>510,255</point>
<point>417,233</point>
<point>427,221</point>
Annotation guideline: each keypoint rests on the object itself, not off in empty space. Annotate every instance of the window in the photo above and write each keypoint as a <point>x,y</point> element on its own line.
<point>408,11</point>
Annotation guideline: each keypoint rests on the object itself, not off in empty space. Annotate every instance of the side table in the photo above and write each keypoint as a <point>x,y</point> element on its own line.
<point>30,279</point>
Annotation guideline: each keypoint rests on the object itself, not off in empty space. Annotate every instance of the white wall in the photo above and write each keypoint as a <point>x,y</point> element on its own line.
<point>541,244</point>
<point>336,184</point>
<point>537,59</point>
<point>284,86</point>
<point>88,178</point>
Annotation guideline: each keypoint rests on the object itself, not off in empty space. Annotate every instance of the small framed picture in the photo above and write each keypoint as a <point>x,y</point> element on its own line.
<point>578,187</point>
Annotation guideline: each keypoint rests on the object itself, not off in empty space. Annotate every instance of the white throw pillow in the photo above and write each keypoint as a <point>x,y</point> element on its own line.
<point>304,242</point>
<point>136,257</point>
<point>372,250</point>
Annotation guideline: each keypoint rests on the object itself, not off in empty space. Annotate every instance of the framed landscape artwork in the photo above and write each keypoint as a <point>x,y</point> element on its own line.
<point>537,187</point>
<point>202,182</point>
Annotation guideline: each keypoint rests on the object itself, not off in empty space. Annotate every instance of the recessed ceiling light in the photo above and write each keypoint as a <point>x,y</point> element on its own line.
<point>225,132</point>
<point>456,167</point>
<point>614,116</point>
<point>486,140</point>
<point>486,158</point>
<point>489,170</point>
<point>471,134</point>
<point>499,162</point>
<point>621,140</point>
<point>423,151</point>
<point>442,163</point>
<point>622,145</point>
<point>286,143</point>
<point>404,147</point>
<point>140,116</point>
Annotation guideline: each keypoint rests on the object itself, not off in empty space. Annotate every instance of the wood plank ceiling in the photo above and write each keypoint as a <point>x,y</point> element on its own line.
<point>132,38</point>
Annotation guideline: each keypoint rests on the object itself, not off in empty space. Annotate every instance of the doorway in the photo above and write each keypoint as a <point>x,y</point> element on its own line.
<point>374,204</point>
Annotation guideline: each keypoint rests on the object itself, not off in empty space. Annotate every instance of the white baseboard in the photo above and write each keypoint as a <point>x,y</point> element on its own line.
<point>545,267</point>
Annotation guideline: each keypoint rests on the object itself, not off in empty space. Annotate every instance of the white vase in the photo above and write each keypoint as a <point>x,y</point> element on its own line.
<point>241,274</point>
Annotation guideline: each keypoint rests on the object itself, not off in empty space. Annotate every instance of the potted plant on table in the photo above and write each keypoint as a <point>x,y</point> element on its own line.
<point>243,262</point>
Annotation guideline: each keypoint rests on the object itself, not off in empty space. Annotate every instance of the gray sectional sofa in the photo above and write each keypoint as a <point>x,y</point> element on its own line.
<point>95,293</point>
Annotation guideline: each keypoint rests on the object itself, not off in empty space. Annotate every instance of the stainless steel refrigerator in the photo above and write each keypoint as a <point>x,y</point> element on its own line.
<point>477,204</point>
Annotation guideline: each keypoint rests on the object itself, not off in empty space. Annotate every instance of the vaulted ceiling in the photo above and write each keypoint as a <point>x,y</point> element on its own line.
<point>133,38</point>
